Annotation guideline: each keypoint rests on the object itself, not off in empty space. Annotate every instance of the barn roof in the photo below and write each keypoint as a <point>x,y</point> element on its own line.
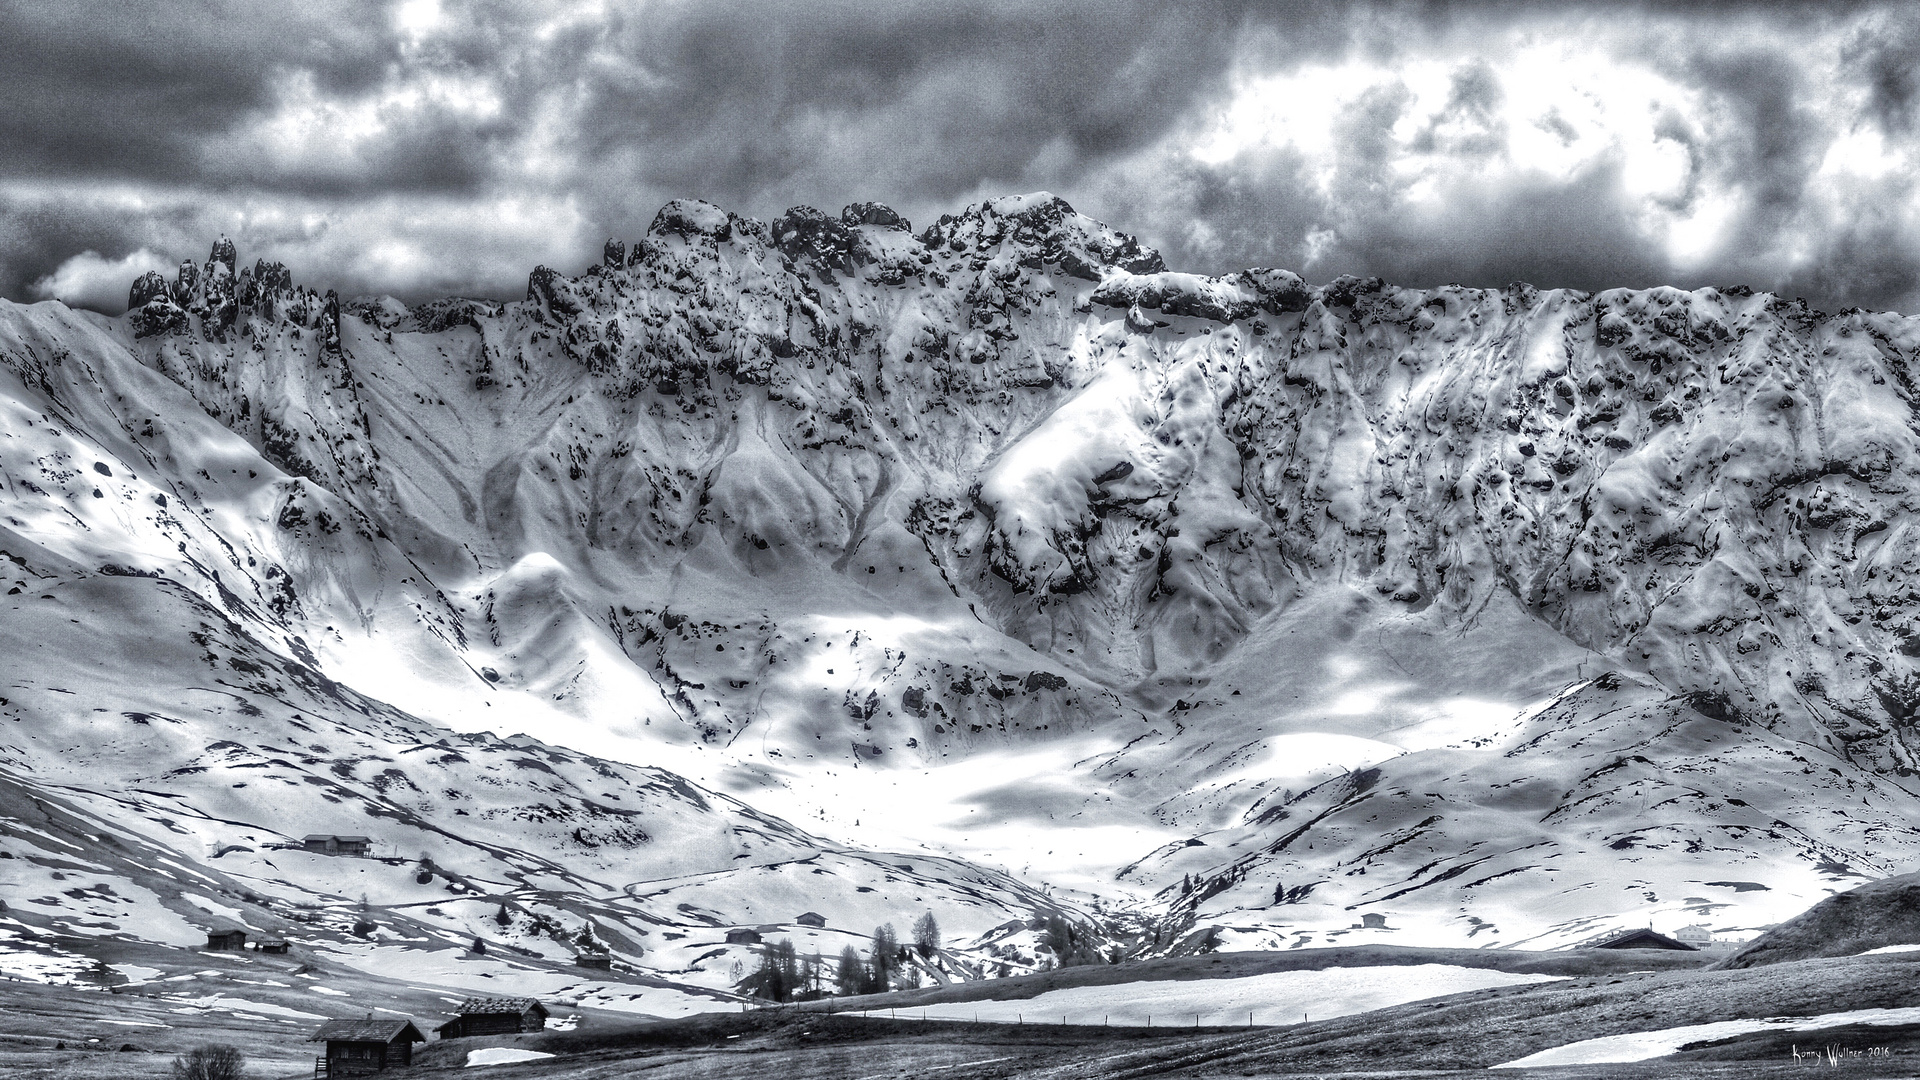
<point>497,1006</point>
<point>329,836</point>
<point>368,1030</point>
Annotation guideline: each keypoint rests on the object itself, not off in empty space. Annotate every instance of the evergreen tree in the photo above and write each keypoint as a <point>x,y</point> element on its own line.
<point>851,975</point>
<point>926,936</point>
<point>778,975</point>
<point>1072,946</point>
<point>1279,892</point>
<point>884,961</point>
<point>364,925</point>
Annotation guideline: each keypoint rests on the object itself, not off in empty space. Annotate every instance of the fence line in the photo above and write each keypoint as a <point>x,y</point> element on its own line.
<point>1019,1018</point>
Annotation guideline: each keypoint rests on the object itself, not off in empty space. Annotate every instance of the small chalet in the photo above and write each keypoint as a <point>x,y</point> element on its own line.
<point>1373,920</point>
<point>811,918</point>
<point>1644,939</point>
<point>358,847</point>
<point>273,945</point>
<point>360,1047</point>
<point>743,937</point>
<point>226,940</point>
<point>598,961</point>
<point>494,1016</point>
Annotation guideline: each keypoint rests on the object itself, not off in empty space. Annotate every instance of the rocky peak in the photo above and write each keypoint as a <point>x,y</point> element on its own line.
<point>806,234</point>
<point>871,213</point>
<point>224,255</point>
<point>1042,228</point>
<point>691,218</point>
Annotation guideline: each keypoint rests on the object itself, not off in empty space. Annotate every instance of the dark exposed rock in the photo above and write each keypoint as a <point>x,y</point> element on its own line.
<point>147,287</point>
<point>868,213</point>
<point>186,284</point>
<point>159,316</point>
<point>804,233</point>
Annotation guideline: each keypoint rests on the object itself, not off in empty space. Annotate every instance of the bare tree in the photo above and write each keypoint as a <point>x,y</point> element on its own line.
<point>210,1061</point>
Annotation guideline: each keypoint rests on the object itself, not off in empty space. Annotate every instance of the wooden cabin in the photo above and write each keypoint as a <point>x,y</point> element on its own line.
<point>357,847</point>
<point>273,945</point>
<point>1373,920</point>
<point>1645,939</point>
<point>494,1016</point>
<point>361,1047</point>
<point>743,937</point>
<point>598,961</point>
<point>226,940</point>
<point>811,918</point>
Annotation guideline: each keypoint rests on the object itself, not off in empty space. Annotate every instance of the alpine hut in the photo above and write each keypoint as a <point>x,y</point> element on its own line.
<point>494,1016</point>
<point>358,847</point>
<point>360,1047</point>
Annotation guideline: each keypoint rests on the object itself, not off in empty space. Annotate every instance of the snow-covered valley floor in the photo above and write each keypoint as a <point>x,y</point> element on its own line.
<point>1279,997</point>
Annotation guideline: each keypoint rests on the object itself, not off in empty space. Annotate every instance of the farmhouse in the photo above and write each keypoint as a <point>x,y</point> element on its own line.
<point>743,937</point>
<point>358,847</point>
<point>495,1016</point>
<point>1696,936</point>
<point>811,918</point>
<point>360,1047</point>
<point>1644,939</point>
<point>226,940</point>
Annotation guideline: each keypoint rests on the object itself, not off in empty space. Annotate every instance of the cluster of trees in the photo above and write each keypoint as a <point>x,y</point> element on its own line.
<point>784,975</point>
<point>1074,946</point>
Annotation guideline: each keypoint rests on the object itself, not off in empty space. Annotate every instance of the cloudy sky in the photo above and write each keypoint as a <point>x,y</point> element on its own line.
<point>425,147</point>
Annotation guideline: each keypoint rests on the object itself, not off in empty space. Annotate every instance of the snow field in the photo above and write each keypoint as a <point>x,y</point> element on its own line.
<point>502,1055</point>
<point>1279,997</point>
<point>1644,1045</point>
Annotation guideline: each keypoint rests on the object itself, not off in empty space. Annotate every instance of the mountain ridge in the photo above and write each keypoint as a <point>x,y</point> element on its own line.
<point>810,510</point>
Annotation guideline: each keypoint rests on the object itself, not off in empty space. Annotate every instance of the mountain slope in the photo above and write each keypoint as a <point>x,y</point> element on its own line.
<point>1002,539</point>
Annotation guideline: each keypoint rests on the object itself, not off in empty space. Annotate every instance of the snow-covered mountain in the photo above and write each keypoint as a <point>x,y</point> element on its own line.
<point>1511,615</point>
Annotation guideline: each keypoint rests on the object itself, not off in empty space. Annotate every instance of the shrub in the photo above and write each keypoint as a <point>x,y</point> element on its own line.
<point>211,1061</point>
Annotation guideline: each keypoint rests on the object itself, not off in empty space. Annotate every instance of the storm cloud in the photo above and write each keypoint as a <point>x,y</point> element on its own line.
<point>422,148</point>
